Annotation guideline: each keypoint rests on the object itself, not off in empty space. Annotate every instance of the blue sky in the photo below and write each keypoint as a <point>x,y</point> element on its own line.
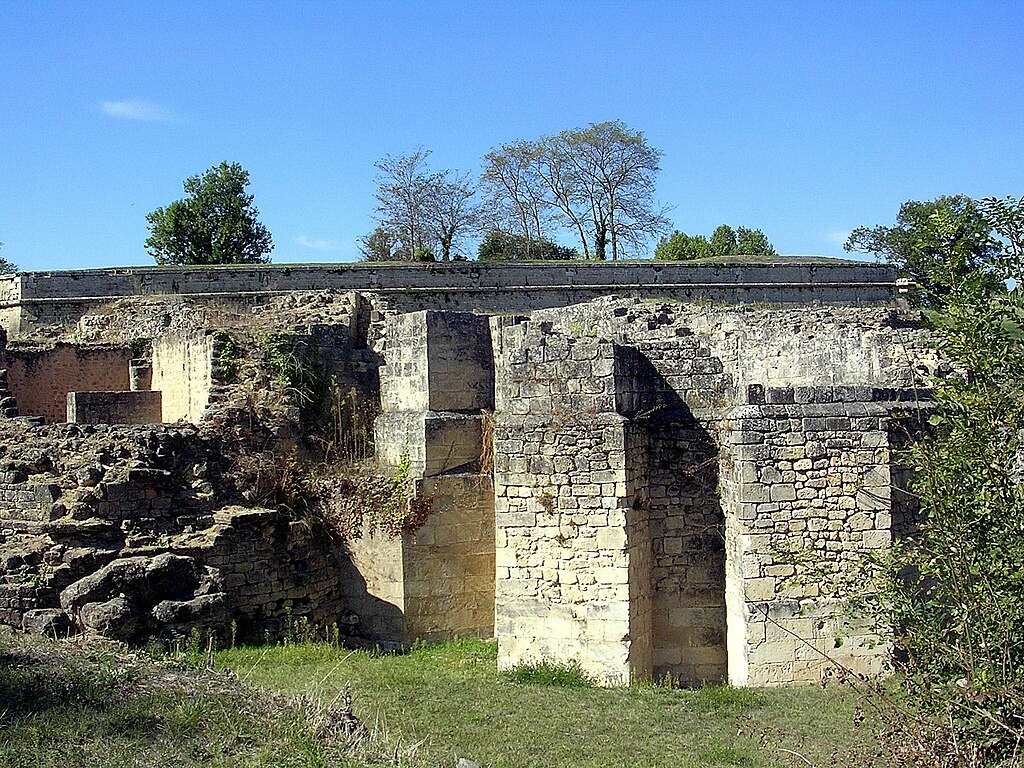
<point>803,119</point>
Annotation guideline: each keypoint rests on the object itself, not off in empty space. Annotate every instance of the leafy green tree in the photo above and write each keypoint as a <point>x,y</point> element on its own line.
<point>954,588</point>
<point>723,241</point>
<point>215,224</point>
<point>7,267</point>
<point>939,244</point>
<point>753,242</point>
<point>498,245</point>
<point>680,246</point>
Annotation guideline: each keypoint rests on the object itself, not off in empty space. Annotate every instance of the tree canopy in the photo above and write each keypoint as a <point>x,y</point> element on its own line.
<point>725,241</point>
<point>216,223</point>
<point>939,244</point>
<point>953,589</point>
<point>6,267</point>
<point>506,246</point>
<point>598,182</point>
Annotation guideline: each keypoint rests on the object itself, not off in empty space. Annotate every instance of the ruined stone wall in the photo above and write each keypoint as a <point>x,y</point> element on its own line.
<point>182,372</point>
<point>438,580</point>
<point>806,477</point>
<point>687,534</point>
<point>651,388</point>
<point>275,571</point>
<point>772,346</point>
<point>437,378</point>
<point>375,587</point>
<point>142,407</point>
<point>40,378</point>
<point>573,549</point>
<point>125,531</point>
<point>449,562</point>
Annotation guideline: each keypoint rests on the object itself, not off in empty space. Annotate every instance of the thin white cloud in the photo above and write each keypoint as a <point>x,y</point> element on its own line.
<point>315,243</point>
<point>839,236</point>
<point>135,109</point>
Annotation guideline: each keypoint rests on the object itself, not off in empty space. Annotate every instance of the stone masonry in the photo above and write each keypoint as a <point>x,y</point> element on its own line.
<point>626,482</point>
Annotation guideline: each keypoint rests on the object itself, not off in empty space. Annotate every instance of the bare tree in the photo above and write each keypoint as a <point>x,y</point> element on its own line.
<point>617,170</point>
<point>515,190</point>
<point>567,190</point>
<point>453,211</point>
<point>598,182</point>
<point>404,193</point>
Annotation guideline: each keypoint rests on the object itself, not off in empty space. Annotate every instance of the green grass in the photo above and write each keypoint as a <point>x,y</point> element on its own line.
<point>98,706</point>
<point>451,700</point>
<point>101,706</point>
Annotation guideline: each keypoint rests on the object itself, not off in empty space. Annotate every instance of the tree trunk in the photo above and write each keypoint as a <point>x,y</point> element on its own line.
<point>611,223</point>
<point>600,243</point>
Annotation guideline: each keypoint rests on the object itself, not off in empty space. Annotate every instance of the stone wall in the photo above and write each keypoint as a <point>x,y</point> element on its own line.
<point>124,530</point>
<point>182,371</point>
<point>44,298</point>
<point>573,546</point>
<point>141,407</point>
<point>449,561</point>
<point>648,391</point>
<point>41,378</point>
<point>437,378</point>
<point>770,346</point>
<point>655,464</point>
<point>807,471</point>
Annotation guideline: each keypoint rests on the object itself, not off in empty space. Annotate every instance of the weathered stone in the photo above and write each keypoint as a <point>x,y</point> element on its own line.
<point>115,618</point>
<point>48,622</point>
<point>208,611</point>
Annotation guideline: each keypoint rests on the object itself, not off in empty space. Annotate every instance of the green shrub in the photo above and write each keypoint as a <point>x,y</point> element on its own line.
<point>547,672</point>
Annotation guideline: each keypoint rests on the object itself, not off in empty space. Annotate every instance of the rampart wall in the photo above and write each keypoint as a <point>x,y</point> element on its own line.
<point>36,299</point>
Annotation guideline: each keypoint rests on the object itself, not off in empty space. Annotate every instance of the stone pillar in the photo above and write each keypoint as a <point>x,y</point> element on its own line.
<point>572,548</point>
<point>806,471</point>
<point>140,375</point>
<point>436,386</point>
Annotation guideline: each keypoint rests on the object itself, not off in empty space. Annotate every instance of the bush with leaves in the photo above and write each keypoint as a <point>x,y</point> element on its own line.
<point>725,241</point>
<point>938,244</point>
<point>499,245</point>
<point>7,267</point>
<point>954,587</point>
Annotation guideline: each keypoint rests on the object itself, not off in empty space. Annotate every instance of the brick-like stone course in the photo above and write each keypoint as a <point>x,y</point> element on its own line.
<point>139,407</point>
<point>811,477</point>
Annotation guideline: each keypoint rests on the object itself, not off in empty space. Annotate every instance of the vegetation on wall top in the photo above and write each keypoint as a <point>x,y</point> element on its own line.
<point>215,224</point>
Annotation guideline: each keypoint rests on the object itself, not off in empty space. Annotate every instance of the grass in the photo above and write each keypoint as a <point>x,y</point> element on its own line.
<point>451,700</point>
<point>100,705</point>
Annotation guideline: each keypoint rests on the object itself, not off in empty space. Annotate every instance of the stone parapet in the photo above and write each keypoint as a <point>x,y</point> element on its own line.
<point>35,298</point>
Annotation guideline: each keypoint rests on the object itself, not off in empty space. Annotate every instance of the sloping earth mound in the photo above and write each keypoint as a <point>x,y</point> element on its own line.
<point>100,704</point>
